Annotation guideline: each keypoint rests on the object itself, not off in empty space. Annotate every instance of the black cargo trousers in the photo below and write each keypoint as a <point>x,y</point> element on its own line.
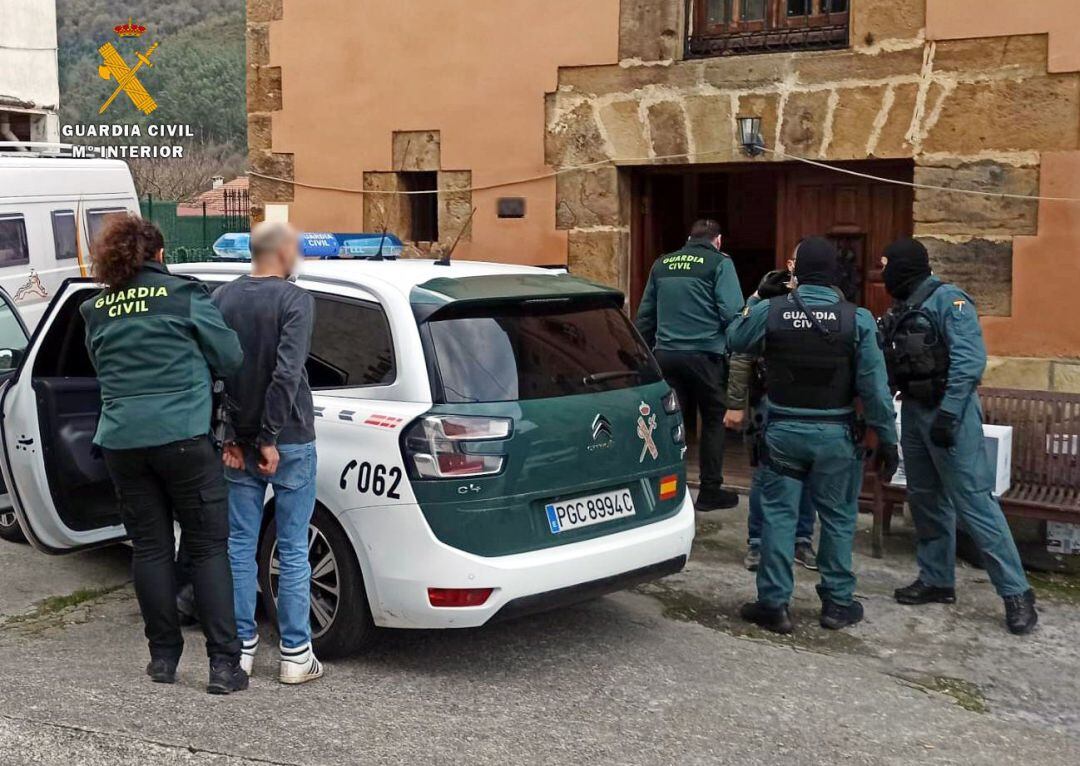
<point>184,481</point>
<point>700,380</point>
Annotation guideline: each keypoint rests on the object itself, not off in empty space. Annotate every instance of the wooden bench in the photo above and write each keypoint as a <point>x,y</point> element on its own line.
<point>1045,460</point>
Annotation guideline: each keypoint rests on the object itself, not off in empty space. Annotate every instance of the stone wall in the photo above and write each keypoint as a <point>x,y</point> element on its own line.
<point>263,99</point>
<point>971,113</point>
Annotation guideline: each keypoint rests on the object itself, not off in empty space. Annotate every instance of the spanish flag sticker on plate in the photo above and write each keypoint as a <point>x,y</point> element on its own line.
<point>669,487</point>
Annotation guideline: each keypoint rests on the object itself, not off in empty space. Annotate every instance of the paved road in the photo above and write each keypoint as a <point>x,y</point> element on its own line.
<point>660,675</point>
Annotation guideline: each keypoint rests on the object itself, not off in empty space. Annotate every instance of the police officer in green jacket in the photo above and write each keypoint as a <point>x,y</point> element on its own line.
<point>156,340</point>
<point>821,353</point>
<point>936,356</point>
<point>692,295</point>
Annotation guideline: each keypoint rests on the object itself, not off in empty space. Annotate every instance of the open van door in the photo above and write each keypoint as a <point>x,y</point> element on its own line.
<point>49,409</point>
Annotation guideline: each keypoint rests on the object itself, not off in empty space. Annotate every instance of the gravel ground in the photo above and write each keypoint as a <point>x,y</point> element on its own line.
<point>662,674</point>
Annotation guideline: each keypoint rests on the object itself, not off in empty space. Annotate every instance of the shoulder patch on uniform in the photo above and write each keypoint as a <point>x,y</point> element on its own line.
<point>959,305</point>
<point>746,310</point>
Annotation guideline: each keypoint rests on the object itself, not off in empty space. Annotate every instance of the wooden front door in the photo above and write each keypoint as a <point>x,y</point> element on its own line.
<point>860,215</point>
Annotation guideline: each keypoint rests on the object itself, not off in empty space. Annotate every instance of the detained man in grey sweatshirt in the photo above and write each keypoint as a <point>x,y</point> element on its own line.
<point>275,443</point>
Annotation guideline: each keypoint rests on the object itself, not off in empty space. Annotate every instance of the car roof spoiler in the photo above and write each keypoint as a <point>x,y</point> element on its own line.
<point>436,294</point>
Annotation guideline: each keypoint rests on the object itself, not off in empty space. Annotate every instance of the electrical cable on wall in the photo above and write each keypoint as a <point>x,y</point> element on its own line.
<point>643,160</point>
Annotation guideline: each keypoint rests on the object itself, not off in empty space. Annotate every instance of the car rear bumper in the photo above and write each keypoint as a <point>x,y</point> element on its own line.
<point>401,559</point>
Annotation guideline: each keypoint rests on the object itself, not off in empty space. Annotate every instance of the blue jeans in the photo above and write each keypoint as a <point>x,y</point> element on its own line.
<point>294,502</point>
<point>804,529</point>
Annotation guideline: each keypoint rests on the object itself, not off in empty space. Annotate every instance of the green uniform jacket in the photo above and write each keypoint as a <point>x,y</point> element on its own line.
<point>747,336</point>
<point>154,344</point>
<point>691,296</point>
<point>740,370</point>
<point>955,317</point>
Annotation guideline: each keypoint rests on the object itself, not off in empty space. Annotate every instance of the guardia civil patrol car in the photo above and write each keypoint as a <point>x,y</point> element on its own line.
<point>492,441</point>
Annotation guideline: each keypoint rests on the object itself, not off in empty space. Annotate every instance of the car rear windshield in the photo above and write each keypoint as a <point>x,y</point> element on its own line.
<point>537,350</point>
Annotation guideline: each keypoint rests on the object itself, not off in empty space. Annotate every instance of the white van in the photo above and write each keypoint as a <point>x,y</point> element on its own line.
<point>50,210</point>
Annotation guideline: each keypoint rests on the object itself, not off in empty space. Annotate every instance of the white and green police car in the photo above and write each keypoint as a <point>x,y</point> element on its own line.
<point>492,441</point>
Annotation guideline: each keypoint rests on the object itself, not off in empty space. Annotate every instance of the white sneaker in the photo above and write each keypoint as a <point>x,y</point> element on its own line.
<point>299,665</point>
<point>247,654</point>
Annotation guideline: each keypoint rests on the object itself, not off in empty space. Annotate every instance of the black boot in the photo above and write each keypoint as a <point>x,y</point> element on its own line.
<point>921,593</point>
<point>836,616</point>
<point>162,671</point>
<point>226,677</point>
<point>716,500</point>
<point>1020,614</point>
<point>776,619</point>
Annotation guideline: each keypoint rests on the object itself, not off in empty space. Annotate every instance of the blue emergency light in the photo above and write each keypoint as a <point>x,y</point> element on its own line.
<point>233,247</point>
<point>367,246</point>
<point>319,245</point>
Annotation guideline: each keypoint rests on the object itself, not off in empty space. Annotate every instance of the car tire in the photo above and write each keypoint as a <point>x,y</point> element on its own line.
<point>9,527</point>
<point>338,627</point>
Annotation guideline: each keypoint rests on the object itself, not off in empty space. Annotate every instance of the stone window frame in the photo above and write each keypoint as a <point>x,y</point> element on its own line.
<point>821,29</point>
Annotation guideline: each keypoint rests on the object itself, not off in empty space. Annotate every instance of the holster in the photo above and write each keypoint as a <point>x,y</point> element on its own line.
<point>221,424</point>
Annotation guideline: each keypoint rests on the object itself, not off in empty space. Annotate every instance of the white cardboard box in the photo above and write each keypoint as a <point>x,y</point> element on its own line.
<point>998,445</point>
<point>1063,538</point>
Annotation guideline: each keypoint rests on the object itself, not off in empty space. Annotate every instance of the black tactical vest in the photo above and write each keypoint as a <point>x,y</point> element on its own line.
<point>806,367</point>
<point>916,354</point>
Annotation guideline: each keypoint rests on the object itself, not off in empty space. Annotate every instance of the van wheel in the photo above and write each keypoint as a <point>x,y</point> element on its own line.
<point>341,621</point>
<point>9,527</point>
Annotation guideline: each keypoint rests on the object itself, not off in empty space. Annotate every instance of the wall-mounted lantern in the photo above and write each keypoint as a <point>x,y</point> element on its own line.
<point>753,145</point>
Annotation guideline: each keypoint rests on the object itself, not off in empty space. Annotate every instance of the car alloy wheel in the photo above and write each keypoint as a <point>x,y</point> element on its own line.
<point>9,527</point>
<point>325,581</point>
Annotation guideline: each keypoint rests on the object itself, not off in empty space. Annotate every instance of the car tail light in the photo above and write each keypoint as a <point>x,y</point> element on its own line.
<point>458,596</point>
<point>453,446</point>
<point>671,402</point>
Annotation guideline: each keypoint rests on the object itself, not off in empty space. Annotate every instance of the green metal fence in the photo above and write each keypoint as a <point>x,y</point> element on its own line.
<point>190,238</point>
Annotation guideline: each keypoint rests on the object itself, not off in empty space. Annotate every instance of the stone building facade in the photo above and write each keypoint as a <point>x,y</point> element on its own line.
<point>915,90</point>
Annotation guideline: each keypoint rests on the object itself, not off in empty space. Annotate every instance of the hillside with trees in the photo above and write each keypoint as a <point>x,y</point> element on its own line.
<point>197,79</point>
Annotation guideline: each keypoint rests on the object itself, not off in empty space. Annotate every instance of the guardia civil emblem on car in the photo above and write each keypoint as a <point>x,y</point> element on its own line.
<point>646,424</point>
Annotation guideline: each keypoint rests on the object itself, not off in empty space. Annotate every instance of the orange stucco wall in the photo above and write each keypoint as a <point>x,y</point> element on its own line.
<point>1041,266</point>
<point>956,19</point>
<point>355,71</point>
<point>1053,256</point>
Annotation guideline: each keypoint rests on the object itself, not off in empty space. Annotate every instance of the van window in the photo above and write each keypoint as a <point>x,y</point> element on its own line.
<point>13,247</point>
<point>96,220</point>
<point>537,351</point>
<point>64,236</point>
<point>351,345</point>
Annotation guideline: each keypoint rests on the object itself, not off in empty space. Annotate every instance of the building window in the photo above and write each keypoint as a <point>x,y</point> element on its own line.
<point>730,27</point>
<point>423,208</point>
<point>64,234</point>
<point>14,250</point>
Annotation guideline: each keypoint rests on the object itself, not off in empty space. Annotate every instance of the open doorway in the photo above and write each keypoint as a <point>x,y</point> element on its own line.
<point>764,209</point>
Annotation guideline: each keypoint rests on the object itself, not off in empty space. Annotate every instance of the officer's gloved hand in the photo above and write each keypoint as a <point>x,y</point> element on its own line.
<point>774,284</point>
<point>943,430</point>
<point>886,461</point>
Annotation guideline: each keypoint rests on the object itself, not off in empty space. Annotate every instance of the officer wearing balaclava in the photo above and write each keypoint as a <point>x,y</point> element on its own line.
<point>934,347</point>
<point>821,354</point>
